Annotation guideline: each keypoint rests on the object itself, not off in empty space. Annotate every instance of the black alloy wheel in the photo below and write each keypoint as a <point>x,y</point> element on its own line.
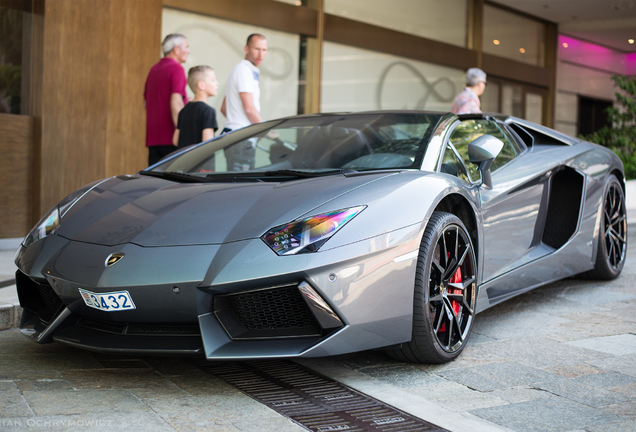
<point>445,293</point>
<point>612,244</point>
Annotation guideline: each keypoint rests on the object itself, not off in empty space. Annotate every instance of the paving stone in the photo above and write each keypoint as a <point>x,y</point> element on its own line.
<point>495,376</point>
<point>605,380</point>
<point>594,397</point>
<point>170,366</point>
<point>627,390</point>
<point>211,408</point>
<point>44,384</point>
<point>550,414</point>
<point>596,325</point>
<point>38,362</point>
<point>476,338</point>
<point>473,355</point>
<point>622,311</point>
<point>45,403</point>
<point>95,422</point>
<point>403,376</point>
<point>281,424</point>
<point>625,364</point>
<point>204,427</point>
<point>29,375</point>
<point>106,379</point>
<point>616,345</point>
<point>516,324</point>
<point>520,394</point>
<point>464,399</point>
<point>12,404</point>
<point>626,410</point>
<point>202,384</point>
<point>7,387</point>
<point>624,426</point>
<point>123,363</point>
<point>574,370</point>
<point>596,294</point>
<point>543,352</point>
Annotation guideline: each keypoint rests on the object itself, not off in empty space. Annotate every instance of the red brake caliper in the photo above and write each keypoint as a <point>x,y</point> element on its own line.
<point>455,278</point>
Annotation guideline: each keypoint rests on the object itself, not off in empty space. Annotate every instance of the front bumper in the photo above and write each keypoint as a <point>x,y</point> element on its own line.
<point>359,297</point>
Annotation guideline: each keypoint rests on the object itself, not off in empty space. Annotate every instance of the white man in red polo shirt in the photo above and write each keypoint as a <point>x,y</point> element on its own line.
<point>165,96</point>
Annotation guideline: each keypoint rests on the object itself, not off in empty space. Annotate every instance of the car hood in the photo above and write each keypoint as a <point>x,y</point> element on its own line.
<point>151,211</point>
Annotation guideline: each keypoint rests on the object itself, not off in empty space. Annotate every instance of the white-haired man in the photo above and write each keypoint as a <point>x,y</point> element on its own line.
<point>467,102</point>
<point>165,96</point>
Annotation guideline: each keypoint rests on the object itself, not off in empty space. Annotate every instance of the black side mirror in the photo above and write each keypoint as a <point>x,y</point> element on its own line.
<point>482,151</point>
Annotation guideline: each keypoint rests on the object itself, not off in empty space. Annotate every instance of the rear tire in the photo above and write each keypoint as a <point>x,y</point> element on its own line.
<point>445,293</point>
<point>612,239</point>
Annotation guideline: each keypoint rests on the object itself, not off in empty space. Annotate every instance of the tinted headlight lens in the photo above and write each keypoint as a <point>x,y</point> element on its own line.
<point>308,234</point>
<point>47,226</point>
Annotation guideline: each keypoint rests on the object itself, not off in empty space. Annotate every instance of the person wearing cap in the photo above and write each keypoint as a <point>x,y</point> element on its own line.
<point>467,102</point>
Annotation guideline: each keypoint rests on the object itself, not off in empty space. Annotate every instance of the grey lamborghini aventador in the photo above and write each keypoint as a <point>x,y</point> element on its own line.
<point>323,234</point>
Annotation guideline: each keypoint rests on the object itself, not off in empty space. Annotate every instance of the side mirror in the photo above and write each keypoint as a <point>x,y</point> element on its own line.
<point>482,151</point>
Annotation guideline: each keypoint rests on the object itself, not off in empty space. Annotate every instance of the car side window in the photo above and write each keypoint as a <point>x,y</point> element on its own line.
<point>470,130</point>
<point>453,166</point>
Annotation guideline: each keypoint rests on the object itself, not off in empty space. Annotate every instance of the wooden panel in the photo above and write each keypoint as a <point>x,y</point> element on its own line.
<point>16,147</point>
<point>551,61</point>
<point>262,13</point>
<point>367,36</point>
<point>135,44</point>
<point>515,71</point>
<point>95,60</point>
<point>313,71</point>
<point>74,98</point>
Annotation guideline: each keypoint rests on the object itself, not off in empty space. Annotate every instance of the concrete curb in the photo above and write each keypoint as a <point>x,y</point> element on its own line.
<point>10,315</point>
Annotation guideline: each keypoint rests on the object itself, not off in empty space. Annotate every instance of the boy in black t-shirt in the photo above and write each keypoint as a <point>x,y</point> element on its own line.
<point>197,120</point>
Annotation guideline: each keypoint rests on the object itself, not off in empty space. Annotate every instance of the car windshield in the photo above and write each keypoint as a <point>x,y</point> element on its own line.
<point>310,145</point>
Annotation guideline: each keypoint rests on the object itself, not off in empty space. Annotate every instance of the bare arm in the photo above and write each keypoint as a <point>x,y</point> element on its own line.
<point>208,134</point>
<point>223,110</point>
<point>250,110</point>
<point>175,137</point>
<point>176,105</point>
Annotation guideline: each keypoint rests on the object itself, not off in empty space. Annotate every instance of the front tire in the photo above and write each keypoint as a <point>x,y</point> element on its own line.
<point>612,241</point>
<point>445,293</point>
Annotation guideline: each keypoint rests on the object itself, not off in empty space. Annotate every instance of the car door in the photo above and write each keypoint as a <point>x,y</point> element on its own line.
<point>511,209</point>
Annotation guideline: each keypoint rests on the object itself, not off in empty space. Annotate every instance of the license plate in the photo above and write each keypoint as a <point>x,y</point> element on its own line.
<point>108,302</point>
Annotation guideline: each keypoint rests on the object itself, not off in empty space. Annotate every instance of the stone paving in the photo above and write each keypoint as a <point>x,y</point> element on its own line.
<point>560,358</point>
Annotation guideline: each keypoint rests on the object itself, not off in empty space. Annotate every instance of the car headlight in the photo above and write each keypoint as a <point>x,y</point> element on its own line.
<point>308,234</point>
<point>47,226</point>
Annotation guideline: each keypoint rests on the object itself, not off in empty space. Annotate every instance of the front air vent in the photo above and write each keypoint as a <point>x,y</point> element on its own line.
<point>266,313</point>
<point>38,298</point>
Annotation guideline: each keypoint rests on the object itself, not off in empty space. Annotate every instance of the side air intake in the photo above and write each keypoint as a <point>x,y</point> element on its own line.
<point>564,207</point>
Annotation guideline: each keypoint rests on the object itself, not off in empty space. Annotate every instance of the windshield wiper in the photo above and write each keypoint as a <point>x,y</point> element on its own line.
<point>306,174</point>
<point>173,175</point>
<point>209,178</point>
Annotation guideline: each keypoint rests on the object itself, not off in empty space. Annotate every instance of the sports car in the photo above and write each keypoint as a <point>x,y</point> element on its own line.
<point>323,234</point>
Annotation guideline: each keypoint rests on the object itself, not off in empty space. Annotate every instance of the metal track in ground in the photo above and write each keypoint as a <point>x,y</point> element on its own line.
<point>316,402</point>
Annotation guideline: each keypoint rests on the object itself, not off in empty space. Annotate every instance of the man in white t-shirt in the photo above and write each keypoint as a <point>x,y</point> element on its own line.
<point>241,105</point>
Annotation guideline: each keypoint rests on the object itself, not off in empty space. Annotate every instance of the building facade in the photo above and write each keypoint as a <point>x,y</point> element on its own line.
<point>76,112</point>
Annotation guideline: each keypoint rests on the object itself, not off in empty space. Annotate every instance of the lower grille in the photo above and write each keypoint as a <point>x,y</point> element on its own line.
<point>140,329</point>
<point>50,299</point>
<point>266,313</point>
